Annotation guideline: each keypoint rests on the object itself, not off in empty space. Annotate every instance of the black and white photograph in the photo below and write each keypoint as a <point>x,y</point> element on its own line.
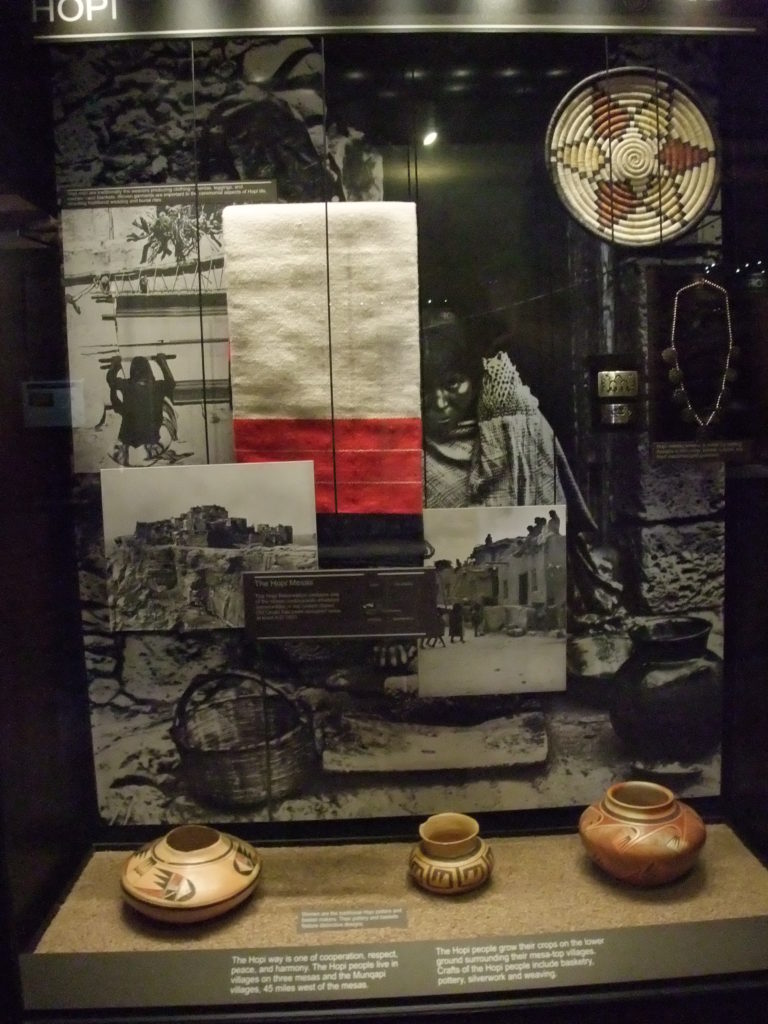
<point>177,543</point>
<point>143,268</point>
<point>499,623</point>
<point>516,297</point>
<point>147,333</point>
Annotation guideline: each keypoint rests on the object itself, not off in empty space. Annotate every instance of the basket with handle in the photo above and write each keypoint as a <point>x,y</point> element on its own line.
<point>242,739</point>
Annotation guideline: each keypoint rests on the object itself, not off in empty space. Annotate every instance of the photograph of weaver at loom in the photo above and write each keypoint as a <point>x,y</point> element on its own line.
<point>143,402</point>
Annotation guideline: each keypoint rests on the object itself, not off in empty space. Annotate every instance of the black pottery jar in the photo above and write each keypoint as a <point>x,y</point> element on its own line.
<point>667,696</point>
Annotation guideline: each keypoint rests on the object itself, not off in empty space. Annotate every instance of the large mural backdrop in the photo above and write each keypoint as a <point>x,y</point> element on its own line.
<point>438,406</point>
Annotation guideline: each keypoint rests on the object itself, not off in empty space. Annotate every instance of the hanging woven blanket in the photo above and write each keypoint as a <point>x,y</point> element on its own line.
<point>324,331</point>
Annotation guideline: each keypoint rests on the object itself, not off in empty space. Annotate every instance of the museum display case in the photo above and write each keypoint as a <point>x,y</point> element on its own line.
<point>385,443</point>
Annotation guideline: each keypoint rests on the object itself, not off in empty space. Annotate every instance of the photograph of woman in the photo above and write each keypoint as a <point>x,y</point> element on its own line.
<point>144,404</point>
<point>487,442</point>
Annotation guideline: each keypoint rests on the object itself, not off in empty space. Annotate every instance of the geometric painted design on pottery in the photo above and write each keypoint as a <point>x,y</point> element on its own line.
<point>171,886</point>
<point>243,862</point>
<point>643,853</point>
<point>143,860</point>
<point>192,874</point>
<point>452,876</point>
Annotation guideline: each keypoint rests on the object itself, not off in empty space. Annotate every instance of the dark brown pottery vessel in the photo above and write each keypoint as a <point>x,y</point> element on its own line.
<point>667,696</point>
<point>640,833</point>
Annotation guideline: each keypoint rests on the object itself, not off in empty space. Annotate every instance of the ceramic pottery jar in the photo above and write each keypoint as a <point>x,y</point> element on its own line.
<point>640,833</point>
<point>667,696</point>
<point>452,857</point>
<point>193,873</point>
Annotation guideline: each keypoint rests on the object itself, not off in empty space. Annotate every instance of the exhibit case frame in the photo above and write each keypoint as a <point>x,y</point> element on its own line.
<point>354,476</point>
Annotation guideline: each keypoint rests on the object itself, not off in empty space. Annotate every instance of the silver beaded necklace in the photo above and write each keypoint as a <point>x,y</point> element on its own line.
<point>681,395</point>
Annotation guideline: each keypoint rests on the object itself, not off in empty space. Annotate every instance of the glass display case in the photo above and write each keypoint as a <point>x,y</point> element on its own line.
<point>385,434</point>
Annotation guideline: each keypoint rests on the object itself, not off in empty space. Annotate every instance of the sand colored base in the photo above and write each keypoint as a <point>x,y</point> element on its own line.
<point>540,884</point>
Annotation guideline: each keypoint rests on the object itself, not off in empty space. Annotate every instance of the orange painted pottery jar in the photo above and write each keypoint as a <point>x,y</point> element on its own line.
<point>191,874</point>
<point>640,833</point>
<point>451,857</point>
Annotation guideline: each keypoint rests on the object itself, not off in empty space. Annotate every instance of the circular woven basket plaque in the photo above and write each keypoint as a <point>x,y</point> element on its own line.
<point>632,156</point>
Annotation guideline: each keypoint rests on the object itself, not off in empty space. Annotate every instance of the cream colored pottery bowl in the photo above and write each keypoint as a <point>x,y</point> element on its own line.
<point>451,858</point>
<point>192,874</point>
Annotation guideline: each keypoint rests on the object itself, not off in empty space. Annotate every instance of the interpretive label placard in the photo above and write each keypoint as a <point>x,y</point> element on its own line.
<point>338,603</point>
<point>717,449</point>
<point>397,970</point>
<point>330,920</point>
<point>532,963</point>
<point>53,403</point>
<point>328,972</point>
<point>224,192</point>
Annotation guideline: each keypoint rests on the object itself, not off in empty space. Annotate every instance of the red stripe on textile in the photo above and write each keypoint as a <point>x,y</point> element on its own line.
<point>378,462</point>
<point>379,434</point>
<point>283,434</point>
<point>380,498</point>
<point>370,434</point>
<point>325,497</point>
<point>323,462</point>
<point>379,467</point>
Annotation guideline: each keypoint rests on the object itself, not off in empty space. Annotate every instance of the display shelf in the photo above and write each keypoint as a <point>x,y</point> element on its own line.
<point>341,923</point>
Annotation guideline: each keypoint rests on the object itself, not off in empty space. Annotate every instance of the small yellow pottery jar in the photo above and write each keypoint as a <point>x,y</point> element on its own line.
<point>192,874</point>
<point>452,857</point>
<point>640,833</point>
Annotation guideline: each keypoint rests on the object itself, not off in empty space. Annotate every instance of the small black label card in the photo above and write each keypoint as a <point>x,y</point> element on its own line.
<point>338,603</point>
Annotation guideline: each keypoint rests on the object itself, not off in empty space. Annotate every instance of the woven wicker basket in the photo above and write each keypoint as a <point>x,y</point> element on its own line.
<point>242,739</point>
